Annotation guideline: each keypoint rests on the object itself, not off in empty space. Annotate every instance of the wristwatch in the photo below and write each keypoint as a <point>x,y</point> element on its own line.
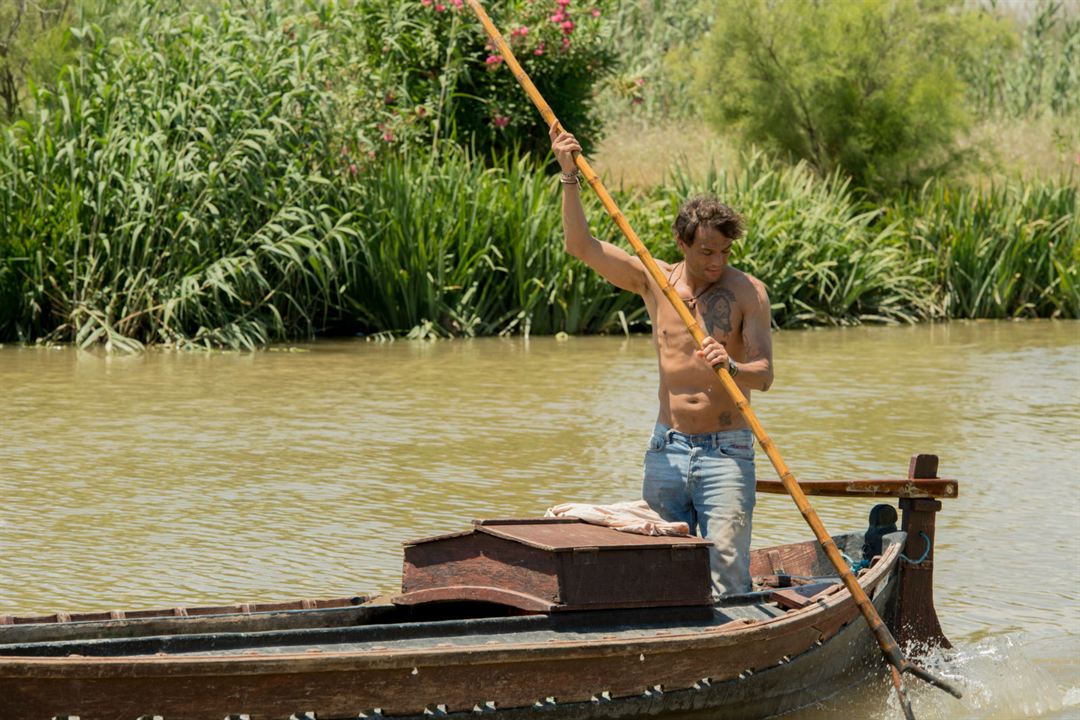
<point>732,368</point>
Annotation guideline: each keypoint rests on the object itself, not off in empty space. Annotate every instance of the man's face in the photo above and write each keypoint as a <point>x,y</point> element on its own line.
<point>708,256</point>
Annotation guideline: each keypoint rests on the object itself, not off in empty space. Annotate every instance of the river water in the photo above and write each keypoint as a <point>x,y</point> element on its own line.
<point>171,479</point>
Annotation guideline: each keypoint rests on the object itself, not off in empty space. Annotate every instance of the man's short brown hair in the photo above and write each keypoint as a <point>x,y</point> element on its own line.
<point>708,211</point>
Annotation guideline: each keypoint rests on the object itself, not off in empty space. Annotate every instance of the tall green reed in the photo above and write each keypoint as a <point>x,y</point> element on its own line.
<point>452,245</point>
<point>171,189</point>
<point>1010,251</point>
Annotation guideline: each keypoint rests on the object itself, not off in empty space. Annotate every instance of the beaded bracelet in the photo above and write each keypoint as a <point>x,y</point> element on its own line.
<point>570,178</point>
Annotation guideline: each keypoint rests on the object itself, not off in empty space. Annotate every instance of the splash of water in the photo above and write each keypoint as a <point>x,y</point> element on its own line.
<point>999,681</point>
<point>998,677</point>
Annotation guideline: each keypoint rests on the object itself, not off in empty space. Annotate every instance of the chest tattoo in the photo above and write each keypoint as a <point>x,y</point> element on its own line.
<point>716,307</point>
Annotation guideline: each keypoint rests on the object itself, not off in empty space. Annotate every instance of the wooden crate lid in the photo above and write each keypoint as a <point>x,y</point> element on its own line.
<point>565,535</point>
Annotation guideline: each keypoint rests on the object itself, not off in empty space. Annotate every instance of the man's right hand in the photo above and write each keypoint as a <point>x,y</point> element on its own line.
<point>564,145</point>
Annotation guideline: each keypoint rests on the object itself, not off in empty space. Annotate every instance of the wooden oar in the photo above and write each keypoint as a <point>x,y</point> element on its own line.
<point>889,648</point>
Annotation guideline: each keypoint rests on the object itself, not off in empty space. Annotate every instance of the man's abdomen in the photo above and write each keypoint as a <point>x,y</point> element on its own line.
<point>700,412</point>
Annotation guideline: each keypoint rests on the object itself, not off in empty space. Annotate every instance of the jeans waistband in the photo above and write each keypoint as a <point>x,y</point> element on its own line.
<point>723,437</point>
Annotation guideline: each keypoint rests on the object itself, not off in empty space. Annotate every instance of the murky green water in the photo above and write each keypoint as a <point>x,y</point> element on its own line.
<point>179,479</point>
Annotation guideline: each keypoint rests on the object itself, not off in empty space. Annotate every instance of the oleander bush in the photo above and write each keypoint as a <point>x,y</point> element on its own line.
<point>405,71</point>
<point>412,72</point>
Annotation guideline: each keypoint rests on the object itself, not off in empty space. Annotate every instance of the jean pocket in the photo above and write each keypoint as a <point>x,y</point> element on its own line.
<point>657,443</point>
<point>738,451</point>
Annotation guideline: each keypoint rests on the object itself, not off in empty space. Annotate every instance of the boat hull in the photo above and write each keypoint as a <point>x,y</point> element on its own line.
<point>744,669</point>
<point>848,659</point>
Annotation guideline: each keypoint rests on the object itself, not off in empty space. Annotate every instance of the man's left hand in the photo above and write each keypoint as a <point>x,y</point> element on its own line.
<point>713,352</point>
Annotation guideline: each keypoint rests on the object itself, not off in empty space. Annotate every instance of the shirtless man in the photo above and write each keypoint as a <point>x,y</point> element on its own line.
<point>699,467</point>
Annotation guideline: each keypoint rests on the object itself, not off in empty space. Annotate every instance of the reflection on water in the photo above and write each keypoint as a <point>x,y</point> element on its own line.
<point>169,478</point>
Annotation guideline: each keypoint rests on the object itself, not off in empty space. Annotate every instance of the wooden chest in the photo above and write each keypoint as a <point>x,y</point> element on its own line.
<point>554,564</point>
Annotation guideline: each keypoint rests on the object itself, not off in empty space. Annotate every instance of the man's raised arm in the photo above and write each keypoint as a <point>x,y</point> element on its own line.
<point>614,264</point>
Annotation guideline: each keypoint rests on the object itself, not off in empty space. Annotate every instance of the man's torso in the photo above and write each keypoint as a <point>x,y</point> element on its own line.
<point>692,400</point>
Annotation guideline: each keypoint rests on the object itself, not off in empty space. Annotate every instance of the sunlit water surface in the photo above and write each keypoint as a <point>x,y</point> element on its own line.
<point>179,479</point>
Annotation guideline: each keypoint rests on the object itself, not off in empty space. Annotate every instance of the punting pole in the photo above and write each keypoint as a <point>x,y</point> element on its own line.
<point>889,647</point>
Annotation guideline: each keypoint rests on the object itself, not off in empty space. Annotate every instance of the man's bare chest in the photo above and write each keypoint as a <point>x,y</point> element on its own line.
<point>717,311</point>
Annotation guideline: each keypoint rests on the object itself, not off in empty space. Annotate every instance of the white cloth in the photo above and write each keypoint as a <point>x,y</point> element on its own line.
<point>630,517</point>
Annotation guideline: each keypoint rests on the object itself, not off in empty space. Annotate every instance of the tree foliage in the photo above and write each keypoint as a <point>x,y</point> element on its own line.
<point>867,87</point>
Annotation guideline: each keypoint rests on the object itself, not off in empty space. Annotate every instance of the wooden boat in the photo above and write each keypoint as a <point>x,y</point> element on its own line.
<point>470,648</point>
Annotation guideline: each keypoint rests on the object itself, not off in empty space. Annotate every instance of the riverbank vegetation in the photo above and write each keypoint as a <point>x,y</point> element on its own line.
<point>238,174</point>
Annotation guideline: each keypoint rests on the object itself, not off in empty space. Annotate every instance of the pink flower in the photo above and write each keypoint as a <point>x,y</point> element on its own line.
<point>501,121</point>
<point>640,82</point>
<point>566,43</point>
<point>563,3</point>
<point>596,12</point>
<point>388,136</point>
<point>425,3</point>
<point>494,59</point>
<point>520,32</point>
<point>439,7</point>
<point>567,27</point>
<point>457,3</point>
<point>352,169</point>
<point>540,49</point>
<point>559,17</point>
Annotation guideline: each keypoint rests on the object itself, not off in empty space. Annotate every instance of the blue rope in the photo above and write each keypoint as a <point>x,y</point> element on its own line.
<point>926,552</point>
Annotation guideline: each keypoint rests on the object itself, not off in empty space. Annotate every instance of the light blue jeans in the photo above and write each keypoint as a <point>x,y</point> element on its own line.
<point>707,481</point>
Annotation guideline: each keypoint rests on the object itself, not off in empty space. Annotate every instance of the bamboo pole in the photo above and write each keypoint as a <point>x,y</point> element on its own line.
<point>885,640</point>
